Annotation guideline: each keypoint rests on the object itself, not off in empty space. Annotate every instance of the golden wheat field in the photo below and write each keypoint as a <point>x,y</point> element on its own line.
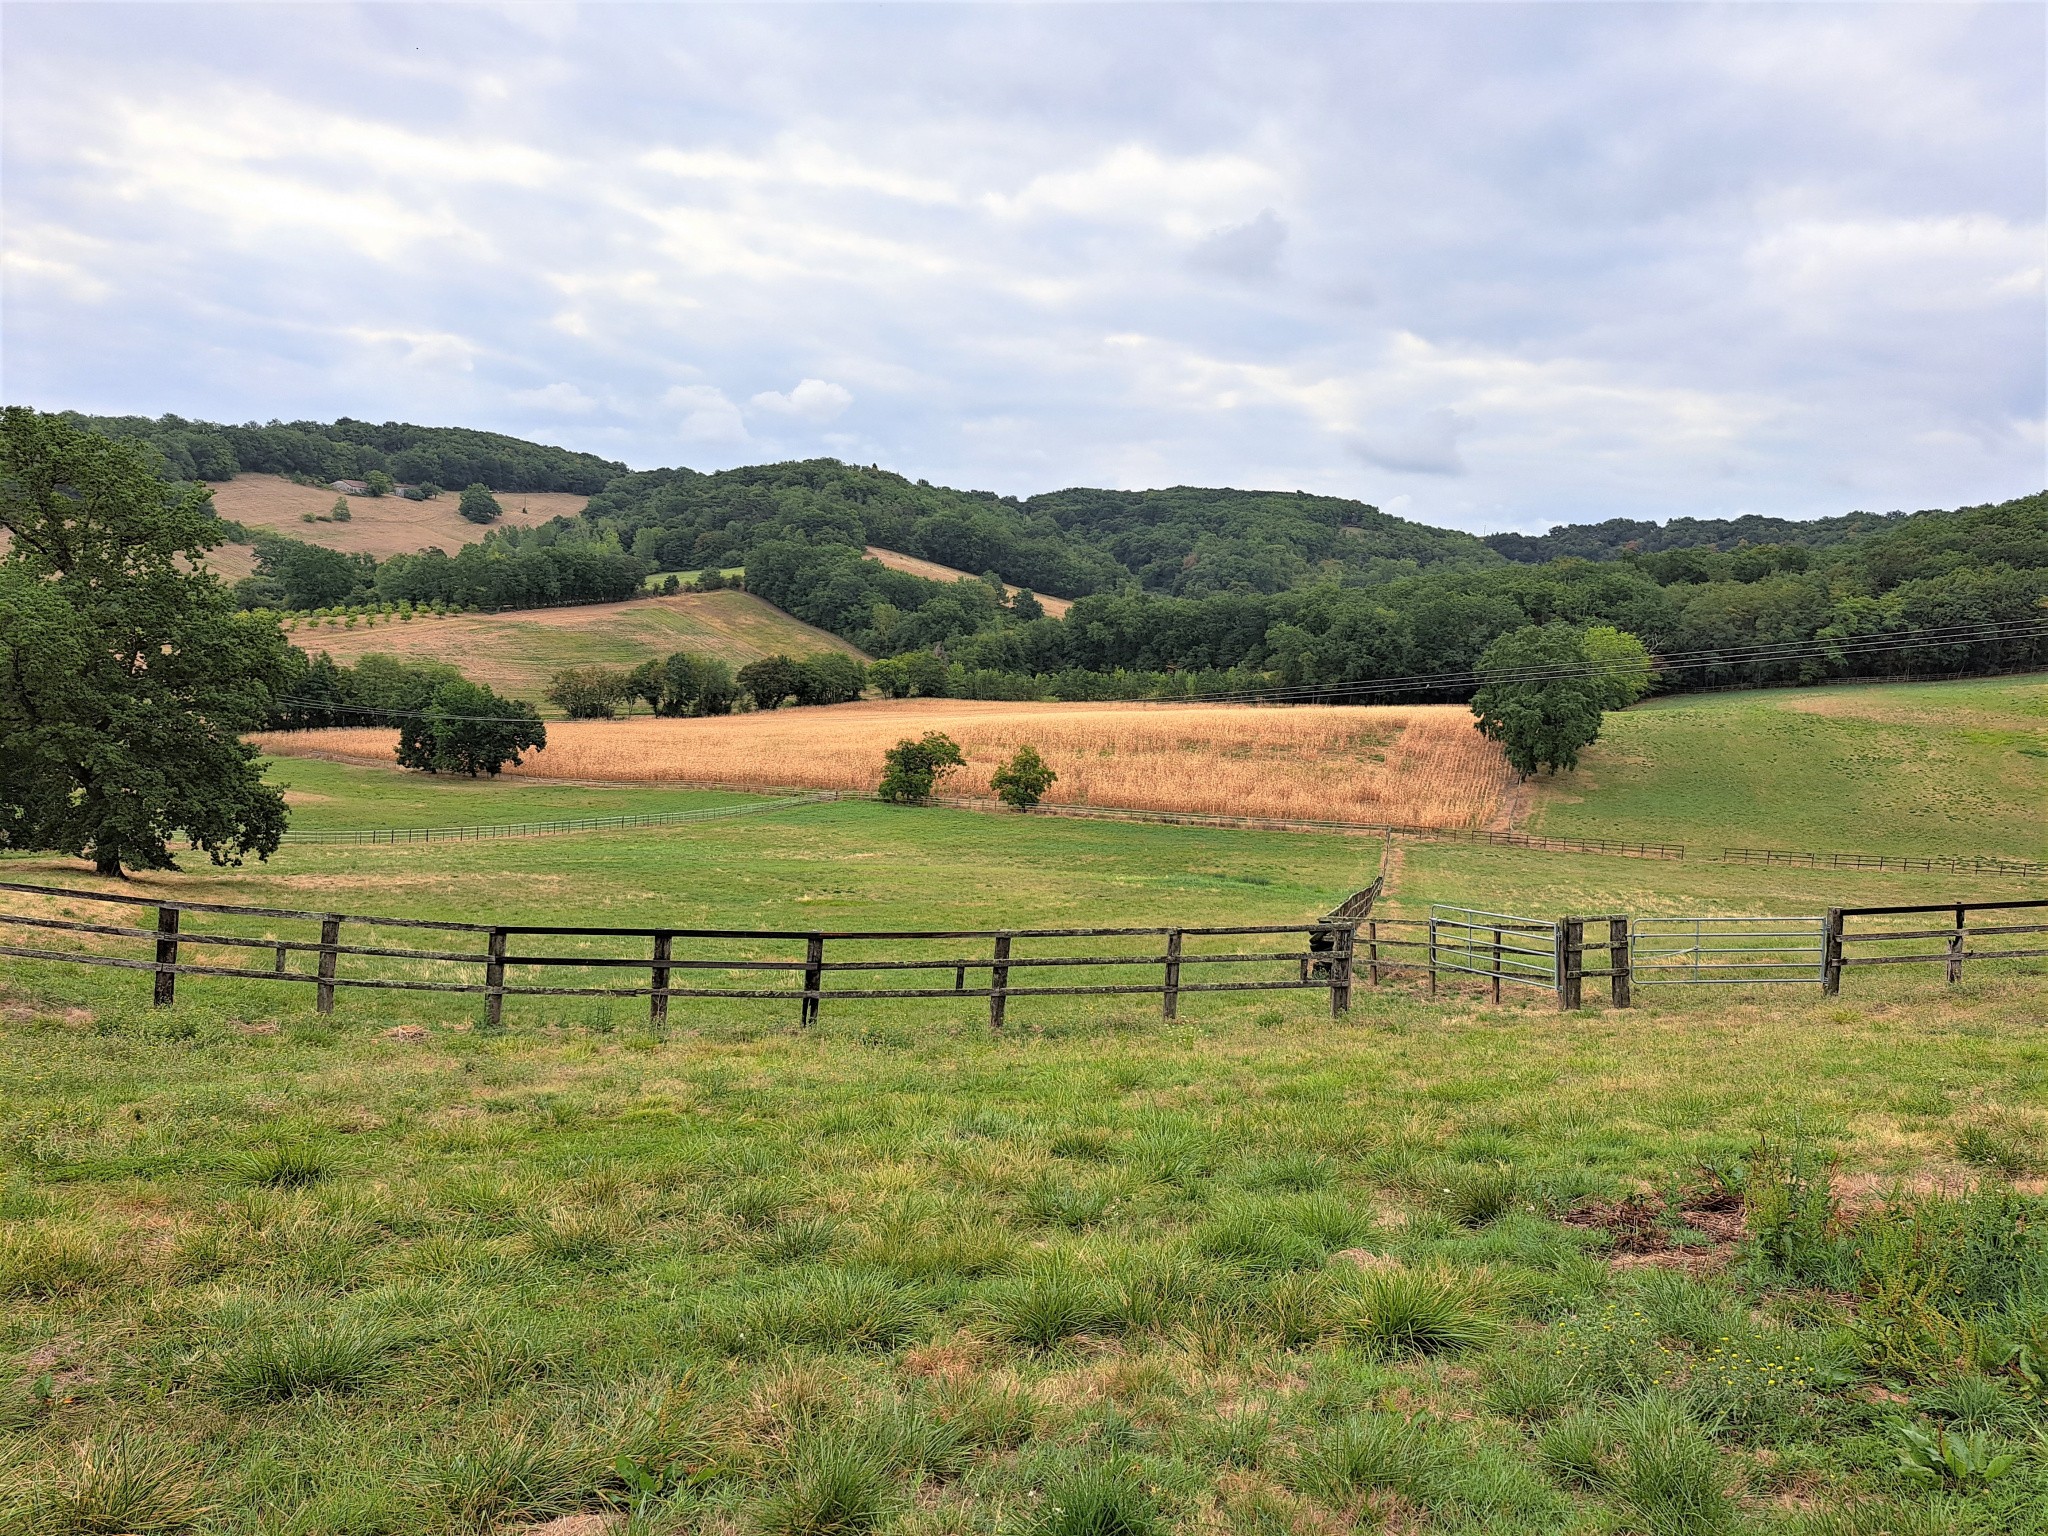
<point>1418,765</point>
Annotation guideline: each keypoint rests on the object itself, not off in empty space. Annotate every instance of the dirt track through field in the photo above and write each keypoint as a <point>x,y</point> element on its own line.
<point>1419,765</point>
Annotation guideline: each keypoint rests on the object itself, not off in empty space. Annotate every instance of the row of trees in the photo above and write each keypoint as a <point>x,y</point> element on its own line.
<point>505,570</point>
<point>355,450</point>
<point>688,683</point>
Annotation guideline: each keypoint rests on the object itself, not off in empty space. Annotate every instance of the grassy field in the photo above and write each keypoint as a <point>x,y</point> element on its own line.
<point>1414,765</point>
<point>931,570</point>
<point>1959,767</point>
<point>377,525</point>
<point>1454,1268</point>
<point>516,653</point>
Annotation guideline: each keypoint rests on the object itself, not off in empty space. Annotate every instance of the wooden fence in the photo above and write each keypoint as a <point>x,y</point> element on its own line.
<point>1163,962</point>
<point>1452,946</point>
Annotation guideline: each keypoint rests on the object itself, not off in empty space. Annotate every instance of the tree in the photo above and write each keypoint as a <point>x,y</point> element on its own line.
<point>770,680</point>
<point>340,512</point>
<point>911,769</point>
<point>829,679</point>
<point>126,675</point>
<point>1022,782</point>
<point>891,677</point>
<point>1539,697</point>
<point>1026,606</point>
<point>589,693</point>
<point>478,505</point>
<point>1624,666</point>
<point>377,483</point>
<point>469,729</point>
<point>697,685</point>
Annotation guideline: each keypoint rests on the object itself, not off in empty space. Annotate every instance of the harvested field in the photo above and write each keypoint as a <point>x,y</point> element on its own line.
<point>1419,765</point>
<point>931,570</point>
<point>516,652</point>
<point>378,525</point>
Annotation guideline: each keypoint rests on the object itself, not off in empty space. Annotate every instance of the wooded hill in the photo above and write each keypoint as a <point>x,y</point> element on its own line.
<point>1179,589</point>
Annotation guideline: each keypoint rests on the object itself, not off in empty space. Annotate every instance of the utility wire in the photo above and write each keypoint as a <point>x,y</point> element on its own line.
<point>1980,633</point>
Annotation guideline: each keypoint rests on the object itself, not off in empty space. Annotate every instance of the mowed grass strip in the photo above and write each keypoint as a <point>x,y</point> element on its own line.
<point>1953,767</point>
<point>517,652</point>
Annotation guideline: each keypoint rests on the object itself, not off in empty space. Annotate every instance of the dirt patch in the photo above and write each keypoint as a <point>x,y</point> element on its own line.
<point>49,1357</point>
<point>405,1034</point>
<point>253,1030</point>
<point>576,1525</point>
<point>1366,1259</point>
<point>1647,1233</point>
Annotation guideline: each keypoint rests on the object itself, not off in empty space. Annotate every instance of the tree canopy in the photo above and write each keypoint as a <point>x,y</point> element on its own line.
<point>1540,696</point>
<point>126,674</point>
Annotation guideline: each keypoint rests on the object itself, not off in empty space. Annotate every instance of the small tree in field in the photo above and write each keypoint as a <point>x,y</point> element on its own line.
<point>377,483</point>
<point>589,693</point>
<point>469,729</point>
<point>912,769</point>
<point>478,505</point>
<point>1540,697</point>
<point>339,512</point>
<point>1022,782</point>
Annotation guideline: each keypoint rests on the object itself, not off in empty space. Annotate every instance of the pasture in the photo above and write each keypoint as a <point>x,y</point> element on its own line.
<point>1421,765</point>
<point>931,570</point>
<point>518,651</point>
<point>378,525</point>
<point>1442,1267</point>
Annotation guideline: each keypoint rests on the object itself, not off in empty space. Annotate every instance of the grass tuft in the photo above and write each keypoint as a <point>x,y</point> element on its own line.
<point>1100,1501</point>
<point>339,1357</point>
<point>1392,1312</point>
<point>1046,1305</point>
<point>1477,1196</point>
<point>44,1262</point>
<point>829,1487</point>
<point>284,1165</point>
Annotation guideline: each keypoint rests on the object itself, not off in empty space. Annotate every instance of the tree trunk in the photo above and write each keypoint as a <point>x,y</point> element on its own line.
<point>109,864</point>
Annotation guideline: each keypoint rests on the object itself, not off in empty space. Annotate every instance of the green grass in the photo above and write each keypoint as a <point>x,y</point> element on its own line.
<point>1955,767</point>
<point>1253,1269</point>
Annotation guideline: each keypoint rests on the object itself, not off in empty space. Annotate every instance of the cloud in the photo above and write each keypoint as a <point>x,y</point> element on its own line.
<point>1248,252</point>
<point>566,398</point>
<point>1427,445</point>
<point>1547,263</point>
<point>708,417</point>
<point>813,400</point>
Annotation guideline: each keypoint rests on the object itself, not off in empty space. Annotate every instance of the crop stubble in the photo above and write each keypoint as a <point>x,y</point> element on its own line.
<point>1420,765</point>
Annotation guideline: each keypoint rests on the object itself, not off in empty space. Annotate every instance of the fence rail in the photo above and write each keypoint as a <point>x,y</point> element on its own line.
<point>679,962</point>
<point>1964,864</point>
<point>1452,945</point>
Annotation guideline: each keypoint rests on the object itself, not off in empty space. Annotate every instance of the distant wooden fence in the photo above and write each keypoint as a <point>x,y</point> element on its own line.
<point>1452,946</point>
<point>1153,961</point>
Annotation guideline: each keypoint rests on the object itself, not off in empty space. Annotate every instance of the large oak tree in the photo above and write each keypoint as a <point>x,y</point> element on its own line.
<point>126,674</point>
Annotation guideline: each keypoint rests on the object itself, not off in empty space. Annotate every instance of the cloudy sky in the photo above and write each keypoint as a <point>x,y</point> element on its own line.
<point>1491,266</point>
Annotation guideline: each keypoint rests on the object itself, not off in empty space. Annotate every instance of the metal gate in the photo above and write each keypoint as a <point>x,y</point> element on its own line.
<point>1497,947</point>
<point>1724,951</point>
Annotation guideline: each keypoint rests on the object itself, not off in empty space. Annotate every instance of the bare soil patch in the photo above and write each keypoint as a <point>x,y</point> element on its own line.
<point>931,570</point>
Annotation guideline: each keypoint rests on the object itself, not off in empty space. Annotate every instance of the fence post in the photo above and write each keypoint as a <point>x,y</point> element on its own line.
<point>814,977</point>
<point>1955,948</point>
<point>1340,970</point>
<point>1432,957</point>
<point>998,983</point>
<point>1620,962</point>
<point>330,936</point>
<point>166,956</point>
<point>1496,967</point>
<point>1571,963</point>
<point>1831,954</point>
<point>657,1002</point>
<point>494,980</point>
<point>1372,950</point>
<point>1169,1000</point>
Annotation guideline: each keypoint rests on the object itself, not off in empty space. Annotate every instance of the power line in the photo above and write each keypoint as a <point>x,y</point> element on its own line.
<point>1968,633</point>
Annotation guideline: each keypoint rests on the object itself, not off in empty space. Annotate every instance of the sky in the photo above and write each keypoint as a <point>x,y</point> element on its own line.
<point>1486,266</point>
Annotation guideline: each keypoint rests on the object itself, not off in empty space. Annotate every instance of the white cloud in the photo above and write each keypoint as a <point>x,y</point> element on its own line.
<point>708,417</point>
<point>812,400</point>
<point>563,397</point>
<point>1426,445</point>
<point>1249,252</point>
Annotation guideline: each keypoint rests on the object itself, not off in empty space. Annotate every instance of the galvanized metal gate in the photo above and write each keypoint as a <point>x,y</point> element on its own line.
<point>1500,948</point>
<point>1697,951</point>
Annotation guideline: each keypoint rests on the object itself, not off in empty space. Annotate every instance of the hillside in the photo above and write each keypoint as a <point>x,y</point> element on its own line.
<point>931,570</point>
<point>517,652</point>
<point>1916,768</point>
<point>379,526</point>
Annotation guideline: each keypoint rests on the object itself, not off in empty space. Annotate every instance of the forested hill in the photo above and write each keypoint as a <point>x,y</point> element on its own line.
<point>1620,536</point>
<point>1183,542</point>
<point>450,457</point>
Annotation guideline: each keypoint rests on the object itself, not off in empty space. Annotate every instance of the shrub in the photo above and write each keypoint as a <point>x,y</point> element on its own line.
<point>1022,782</point>
<point>588,693</point>
<point>912,769</point>
<point>339,512</point>
<point>478,505</point>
